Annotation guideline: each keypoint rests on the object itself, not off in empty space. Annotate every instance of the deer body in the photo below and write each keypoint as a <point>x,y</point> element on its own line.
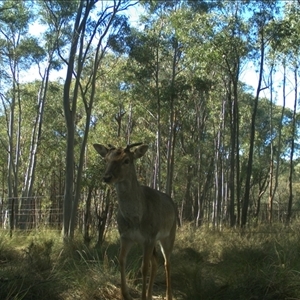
<point>145,216</point>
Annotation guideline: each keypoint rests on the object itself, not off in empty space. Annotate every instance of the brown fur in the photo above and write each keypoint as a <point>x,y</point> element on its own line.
<point>146,216</point>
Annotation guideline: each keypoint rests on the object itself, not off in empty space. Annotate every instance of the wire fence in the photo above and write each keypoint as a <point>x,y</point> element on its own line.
<point>32,212</point>
<point>42,212</point>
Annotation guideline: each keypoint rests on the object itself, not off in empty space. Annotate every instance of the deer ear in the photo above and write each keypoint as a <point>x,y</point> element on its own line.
<point>102,150</point>
<point>140,151</point>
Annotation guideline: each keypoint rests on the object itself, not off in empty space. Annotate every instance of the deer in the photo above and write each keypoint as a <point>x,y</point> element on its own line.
<point>145,216</point>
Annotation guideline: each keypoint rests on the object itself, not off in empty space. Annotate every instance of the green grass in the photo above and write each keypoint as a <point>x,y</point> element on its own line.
<point>263,263</point>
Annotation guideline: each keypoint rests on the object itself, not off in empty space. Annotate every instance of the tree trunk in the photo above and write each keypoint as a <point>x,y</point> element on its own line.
<point>34,144</point>
<point>231,186</point>
<point>73,176</point>
<point>14,150</point>
<point>103,217</point>
<point>290,203</point>
<point>70,113</point>
<point>87,217</point>
<point>172,120</point>
<point>252,134</point>
<point>280,131</point>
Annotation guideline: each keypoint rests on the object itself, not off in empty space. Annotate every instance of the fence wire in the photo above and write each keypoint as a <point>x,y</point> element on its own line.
<point>42,212</point>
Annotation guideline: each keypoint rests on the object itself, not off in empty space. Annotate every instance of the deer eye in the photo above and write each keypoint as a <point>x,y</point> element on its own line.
<point>126,161</point>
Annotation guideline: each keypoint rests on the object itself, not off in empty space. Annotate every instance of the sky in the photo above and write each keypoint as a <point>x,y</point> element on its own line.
<point>250,76</point>
<point>36,29</point>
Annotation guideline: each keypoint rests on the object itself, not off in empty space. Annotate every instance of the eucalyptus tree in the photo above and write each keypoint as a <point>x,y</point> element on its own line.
<point>231,46</point>
<point>283,35</point>
<point>45,62</point>
<point>211,108</point>
<point>263,13</point>
<point>154,60</point>
<point>277,59</point>
<point>217,37</point>
<point>18,51</point>
<point>289,46</point>
<point>87,24</point>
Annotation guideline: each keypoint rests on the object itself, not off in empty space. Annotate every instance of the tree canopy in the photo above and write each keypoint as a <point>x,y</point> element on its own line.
<point>225,148</point>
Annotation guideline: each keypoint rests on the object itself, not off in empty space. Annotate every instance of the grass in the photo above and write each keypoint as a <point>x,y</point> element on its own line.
<point>206,264</point>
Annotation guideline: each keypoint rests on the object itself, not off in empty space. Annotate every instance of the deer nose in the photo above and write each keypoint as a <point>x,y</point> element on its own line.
<point>107,178</point>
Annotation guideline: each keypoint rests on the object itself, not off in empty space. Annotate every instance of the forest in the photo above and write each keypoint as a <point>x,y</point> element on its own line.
<point>210,86</point>
<point>223,141</point>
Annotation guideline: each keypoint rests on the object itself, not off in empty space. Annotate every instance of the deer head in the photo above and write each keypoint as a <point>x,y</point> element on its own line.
<point>119,161</point>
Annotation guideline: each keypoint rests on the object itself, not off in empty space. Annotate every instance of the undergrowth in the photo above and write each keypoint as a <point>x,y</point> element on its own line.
<point>261,263</point>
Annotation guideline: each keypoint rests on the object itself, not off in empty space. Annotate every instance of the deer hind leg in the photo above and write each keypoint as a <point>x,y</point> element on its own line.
<point>125,247</point>
<point>147,257</point>
<point>152,274</point>
<point>166,246</point>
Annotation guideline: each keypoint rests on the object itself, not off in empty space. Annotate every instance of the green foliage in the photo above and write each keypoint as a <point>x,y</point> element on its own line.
<point>182,64</point>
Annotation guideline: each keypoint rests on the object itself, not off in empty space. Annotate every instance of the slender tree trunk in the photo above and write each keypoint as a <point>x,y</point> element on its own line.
<point>103,217</point>
<point>271,172</point>
<point>35,139</point>
<point>14,148</point>
<point>237,150</point>
<point>280,130</point>
<point>157,168</point>
<point>218,168</point>
<point>218,159</point>
<point>129,124</point>
<point>170,149</point>
<point>87,217</point>
<point>187,202</point>
<point>262,189</point>
<point>10,164</point>
<point>252,134</point>
<point>290,203</point>
<point>17,156</point>
<point>172,120</point>
<point>232,109</point>
<point>88,99</point>
<point>234,174</point>
<point>70,113</point>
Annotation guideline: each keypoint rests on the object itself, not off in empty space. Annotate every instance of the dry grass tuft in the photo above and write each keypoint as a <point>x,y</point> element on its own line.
<point>263,263</point>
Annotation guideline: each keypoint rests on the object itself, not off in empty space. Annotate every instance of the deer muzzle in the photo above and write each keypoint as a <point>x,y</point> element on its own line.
<point>107,178</point>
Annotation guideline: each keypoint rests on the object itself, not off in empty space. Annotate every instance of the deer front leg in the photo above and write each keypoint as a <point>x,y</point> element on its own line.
<point>152,274</point>
<point>125,247</point>
<point>147,256</point>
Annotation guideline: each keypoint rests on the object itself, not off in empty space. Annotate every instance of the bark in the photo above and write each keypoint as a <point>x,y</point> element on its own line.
<point>14,147</point>
<point>187,202</point>
<point>252,134</point>
<point>87,217</point>
<point>157,168</point>
<point>271,171</point>
<point>290,202</point>
<point>280,131</point>
<point>172,121</point>
<point>70,113</point>
<point>87,93</point>
<point>232,158</point>
<point>263,185</point>
<point>103,217</point>
<point>27,191</point>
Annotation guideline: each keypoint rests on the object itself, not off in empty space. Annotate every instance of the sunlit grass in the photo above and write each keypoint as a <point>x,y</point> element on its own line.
<point>261,263</point>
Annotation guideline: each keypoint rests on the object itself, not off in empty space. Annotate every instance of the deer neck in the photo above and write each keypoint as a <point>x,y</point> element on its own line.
<point>130,199</point>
